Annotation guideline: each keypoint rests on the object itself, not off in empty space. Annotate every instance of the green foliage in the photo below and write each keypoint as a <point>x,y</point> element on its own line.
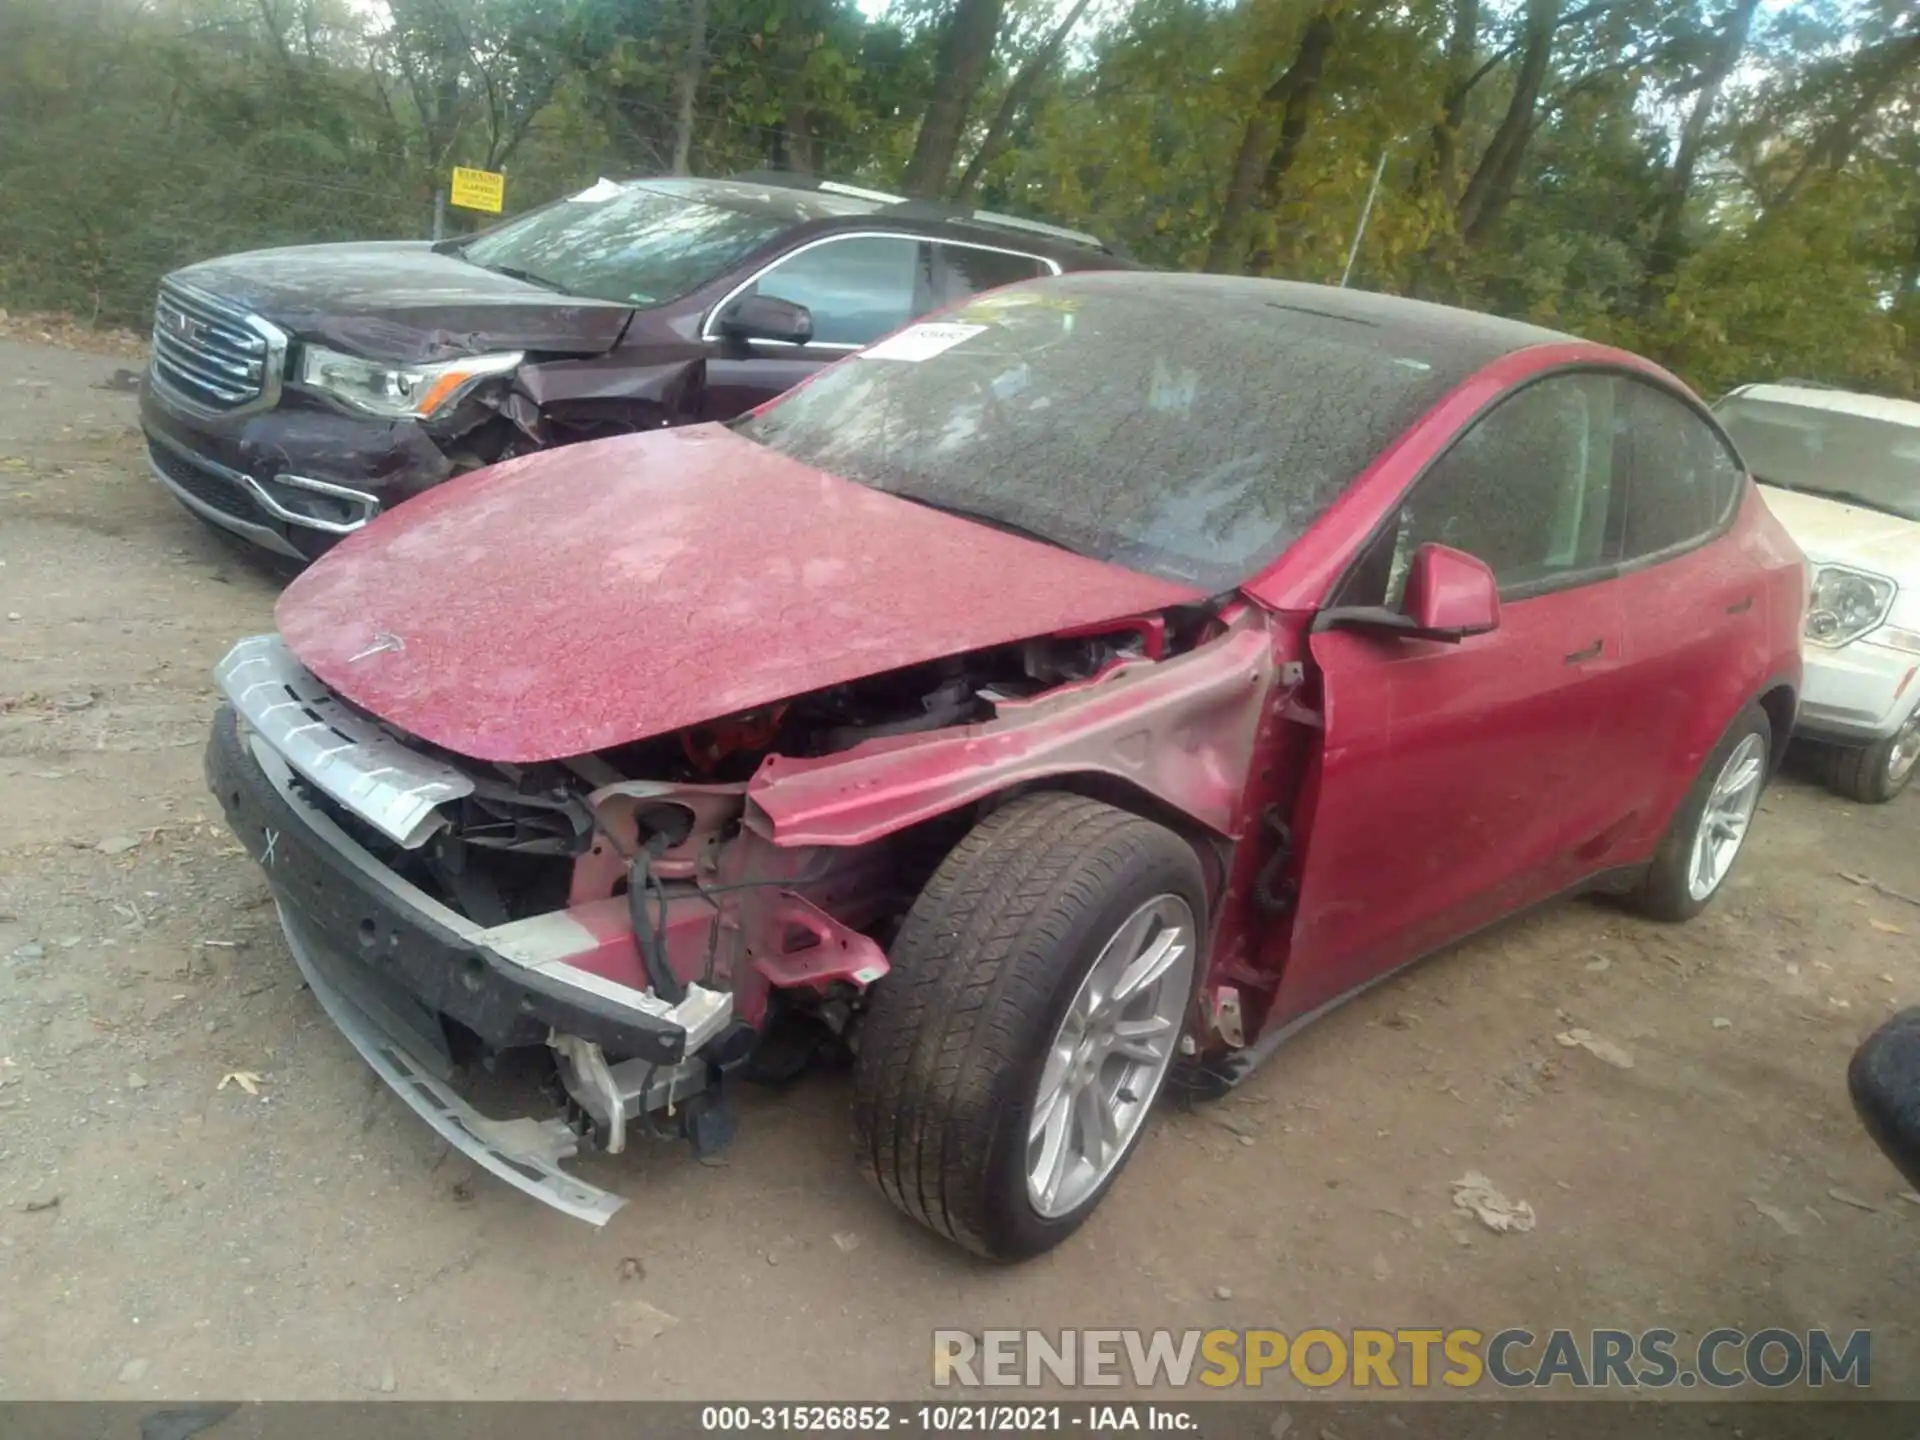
<point>1768,223</point>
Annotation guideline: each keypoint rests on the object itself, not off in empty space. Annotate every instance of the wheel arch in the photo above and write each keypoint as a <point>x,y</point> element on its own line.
<point>1781,701</point>
<point>1213,849</point>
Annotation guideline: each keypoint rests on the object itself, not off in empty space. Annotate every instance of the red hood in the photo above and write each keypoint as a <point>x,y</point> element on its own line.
<point>590,596</point>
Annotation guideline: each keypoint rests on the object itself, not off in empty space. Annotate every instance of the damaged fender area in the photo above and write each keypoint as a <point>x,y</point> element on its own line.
<point>1180,730</point>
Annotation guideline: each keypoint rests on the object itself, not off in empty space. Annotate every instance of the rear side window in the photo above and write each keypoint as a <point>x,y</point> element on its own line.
<point>1529,489</point>
<point>857,289</point>
<point>1682,480</point>
<point>966,270</point>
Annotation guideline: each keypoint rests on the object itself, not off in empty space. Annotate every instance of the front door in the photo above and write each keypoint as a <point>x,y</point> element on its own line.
<point>1453,783</point>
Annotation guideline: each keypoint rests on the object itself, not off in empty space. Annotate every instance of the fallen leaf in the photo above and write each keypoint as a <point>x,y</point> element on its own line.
<point>1886,927</point>
<point>1474,1193</point>
<point>1774,1213</point>
<point>245,1079</point>
<point>1847,1198</point>
<point>1595,1046</point>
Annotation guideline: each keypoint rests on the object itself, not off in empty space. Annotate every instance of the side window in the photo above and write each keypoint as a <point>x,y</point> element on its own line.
<point>1529,489</point>
<point>858,289</point>
<point>967,270</point>
<point>1682,479</point>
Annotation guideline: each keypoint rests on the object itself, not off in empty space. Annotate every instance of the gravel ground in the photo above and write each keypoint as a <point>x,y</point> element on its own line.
<point>161,1235</point>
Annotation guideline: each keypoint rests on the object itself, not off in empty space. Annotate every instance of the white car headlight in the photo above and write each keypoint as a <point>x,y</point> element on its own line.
<point>398,392</point>
<point>1846,604</point>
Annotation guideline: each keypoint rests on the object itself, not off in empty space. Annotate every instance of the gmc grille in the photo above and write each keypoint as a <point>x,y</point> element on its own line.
<point>213,355</point>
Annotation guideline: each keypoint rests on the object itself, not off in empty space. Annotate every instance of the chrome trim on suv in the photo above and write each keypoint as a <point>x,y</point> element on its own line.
<point>393,788</point>
<point>212,358</point>
<point>368,505</point>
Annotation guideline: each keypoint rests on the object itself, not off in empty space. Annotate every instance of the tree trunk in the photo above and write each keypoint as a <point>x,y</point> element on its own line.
<point>1025,82</point>
<point>1462,45</point>
<point>1669,237</point>
<point>1491,185</point>
<point>693,66</point>
<point>1269,142</point>
<point>965,49</point>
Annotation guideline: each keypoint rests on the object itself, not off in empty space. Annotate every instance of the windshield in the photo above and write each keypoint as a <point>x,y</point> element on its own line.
<point>1193,441</point>
<point>641,245</point>
<point>1874,463</point>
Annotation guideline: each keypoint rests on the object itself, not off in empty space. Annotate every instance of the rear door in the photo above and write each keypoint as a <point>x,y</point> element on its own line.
<point>1454,783</point>
<point>1695,614</point>
<point>960,271</point>
<point>857,287</point>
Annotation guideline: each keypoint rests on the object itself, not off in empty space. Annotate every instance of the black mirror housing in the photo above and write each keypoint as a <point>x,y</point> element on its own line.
<point>767,317</point>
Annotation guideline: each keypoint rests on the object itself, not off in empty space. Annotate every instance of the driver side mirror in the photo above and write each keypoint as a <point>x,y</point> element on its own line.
<point>1449,595</point>
<point>767,317</point>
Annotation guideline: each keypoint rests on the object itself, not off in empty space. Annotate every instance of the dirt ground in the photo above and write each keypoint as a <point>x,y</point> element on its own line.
<point>317,1241</point>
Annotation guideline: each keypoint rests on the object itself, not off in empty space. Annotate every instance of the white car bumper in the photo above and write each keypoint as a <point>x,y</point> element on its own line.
<point>1860,692</point>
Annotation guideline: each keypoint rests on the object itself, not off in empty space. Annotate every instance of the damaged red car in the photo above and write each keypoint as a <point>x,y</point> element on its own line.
<point>1083,689</point>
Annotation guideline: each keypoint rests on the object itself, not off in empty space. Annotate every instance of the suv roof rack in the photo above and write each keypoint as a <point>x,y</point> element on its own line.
<point>940,210</point>
<point>795,180</point>
<point>905,208</point>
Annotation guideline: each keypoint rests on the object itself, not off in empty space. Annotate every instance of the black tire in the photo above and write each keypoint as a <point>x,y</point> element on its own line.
<point>1663,893</point>
<point>990,956</point>
<point>1865,772</point>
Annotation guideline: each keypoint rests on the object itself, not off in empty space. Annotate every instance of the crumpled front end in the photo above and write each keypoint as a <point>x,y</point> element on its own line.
<point>325,802</point>
<point>651,919</point>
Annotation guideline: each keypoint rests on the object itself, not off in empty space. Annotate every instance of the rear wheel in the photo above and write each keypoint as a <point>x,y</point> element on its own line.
<point>1874,774</point>
<point>1710,828</point>
<point>1039,990</point>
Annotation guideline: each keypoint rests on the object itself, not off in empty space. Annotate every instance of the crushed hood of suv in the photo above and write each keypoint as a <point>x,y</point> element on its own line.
<point>590,596</point>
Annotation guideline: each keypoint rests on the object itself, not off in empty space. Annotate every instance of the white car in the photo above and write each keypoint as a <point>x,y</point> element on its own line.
<point>1841,471</point>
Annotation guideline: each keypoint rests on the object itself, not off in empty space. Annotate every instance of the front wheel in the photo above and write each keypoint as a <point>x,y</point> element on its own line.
<point>1039,990</point>
<point>1874,774</point>
<point>1710,828</point>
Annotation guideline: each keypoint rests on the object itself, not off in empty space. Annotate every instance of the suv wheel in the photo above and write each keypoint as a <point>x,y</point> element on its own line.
<point>1040,987</point>
<point>1874,774</point>
<point>1710,828</point>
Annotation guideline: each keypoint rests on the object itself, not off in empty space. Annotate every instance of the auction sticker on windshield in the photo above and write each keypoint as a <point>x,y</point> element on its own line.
<point>921,342</point>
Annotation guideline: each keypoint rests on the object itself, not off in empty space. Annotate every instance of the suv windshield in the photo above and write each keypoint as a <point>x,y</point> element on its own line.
<point>1868,462</point>
<point>1193,441</point>
<point>643,245</point>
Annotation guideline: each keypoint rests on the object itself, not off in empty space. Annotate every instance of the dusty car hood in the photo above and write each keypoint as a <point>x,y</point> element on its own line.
<point>400,300</point>
<point>1838,533</point>
<point>585,597</point>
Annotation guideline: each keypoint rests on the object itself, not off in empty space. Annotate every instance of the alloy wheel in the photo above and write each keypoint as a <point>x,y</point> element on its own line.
<point>1109,1055</point>
<point>1904,751</point>
<point>1726,817</point>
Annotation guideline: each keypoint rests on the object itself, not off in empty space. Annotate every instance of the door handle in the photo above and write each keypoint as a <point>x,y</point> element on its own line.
<point>1592,652</point>
<point>1742,607</point>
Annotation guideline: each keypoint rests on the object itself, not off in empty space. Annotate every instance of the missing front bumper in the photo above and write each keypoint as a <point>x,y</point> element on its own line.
<point>388,963</point>
<point>525,1152</point>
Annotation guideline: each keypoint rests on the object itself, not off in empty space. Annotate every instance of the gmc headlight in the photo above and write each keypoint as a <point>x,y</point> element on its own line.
<point>1846,604</point>
<point>398,392</point>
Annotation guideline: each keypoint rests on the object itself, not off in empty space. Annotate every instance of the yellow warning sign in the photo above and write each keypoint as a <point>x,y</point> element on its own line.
<point>478,190</point>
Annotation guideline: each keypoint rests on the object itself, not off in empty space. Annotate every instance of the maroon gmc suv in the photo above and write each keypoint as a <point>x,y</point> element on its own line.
<point>295,393</point>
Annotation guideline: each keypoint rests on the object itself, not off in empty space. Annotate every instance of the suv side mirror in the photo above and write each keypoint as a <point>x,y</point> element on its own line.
<point>767,317</point>
<point>1449,595</point>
